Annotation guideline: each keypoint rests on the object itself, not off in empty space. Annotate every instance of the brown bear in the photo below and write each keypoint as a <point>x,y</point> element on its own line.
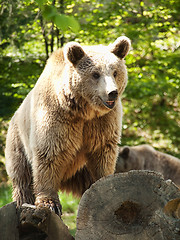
<point>145,157</point>
<point>65,133</point>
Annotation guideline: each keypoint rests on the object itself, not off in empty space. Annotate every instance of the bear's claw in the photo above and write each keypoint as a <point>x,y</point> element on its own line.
<point>54,206</point>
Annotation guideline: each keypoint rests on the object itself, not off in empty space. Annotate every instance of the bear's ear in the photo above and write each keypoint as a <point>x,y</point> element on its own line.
<point>73,52</point>
<point>121,47</point>
<point>125,152</point>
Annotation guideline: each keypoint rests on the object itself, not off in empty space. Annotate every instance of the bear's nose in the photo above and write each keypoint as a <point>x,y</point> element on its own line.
<point>113,95</point>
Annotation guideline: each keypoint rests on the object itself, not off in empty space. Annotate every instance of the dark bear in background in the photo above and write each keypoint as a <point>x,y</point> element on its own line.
<point>145,157</point>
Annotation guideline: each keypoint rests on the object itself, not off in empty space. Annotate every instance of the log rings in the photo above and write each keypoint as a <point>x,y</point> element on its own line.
<point>130,206</point>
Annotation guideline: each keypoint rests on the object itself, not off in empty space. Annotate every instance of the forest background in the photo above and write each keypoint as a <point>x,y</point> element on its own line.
<point>31,29</point>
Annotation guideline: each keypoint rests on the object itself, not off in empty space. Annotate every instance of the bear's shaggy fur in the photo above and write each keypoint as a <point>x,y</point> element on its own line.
<point>145,157</point>
<point>65,133</point>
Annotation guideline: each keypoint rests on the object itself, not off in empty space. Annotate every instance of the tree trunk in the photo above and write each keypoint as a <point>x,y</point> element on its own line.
<point>62,7</point>
<point>52,37</point>
<point>52,31</point>
<point>44,36</point>
<point>138,205</point>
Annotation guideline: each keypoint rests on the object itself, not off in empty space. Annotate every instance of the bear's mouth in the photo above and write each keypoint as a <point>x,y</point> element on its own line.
<point>109,104</point>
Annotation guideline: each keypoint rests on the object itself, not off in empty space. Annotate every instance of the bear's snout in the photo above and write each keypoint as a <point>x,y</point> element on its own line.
<point>112,96</point>
<point>110,99</point>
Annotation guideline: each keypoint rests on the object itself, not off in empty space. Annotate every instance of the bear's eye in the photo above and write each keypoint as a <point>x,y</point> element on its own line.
<point>115,73</point>
<point>96,75</point>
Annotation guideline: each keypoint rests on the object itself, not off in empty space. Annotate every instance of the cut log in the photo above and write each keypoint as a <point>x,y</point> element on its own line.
<point>9,222</point>
<point>138,205</point>
<point>29,222</point>
<point>41,223</point>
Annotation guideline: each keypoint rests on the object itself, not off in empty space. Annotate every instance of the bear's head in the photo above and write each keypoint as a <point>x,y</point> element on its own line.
<point>127,160</point>
<point>131,158</point>
<point>97,74</point>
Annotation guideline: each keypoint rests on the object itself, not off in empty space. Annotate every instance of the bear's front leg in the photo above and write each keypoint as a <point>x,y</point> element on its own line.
<point>46,187</point>
<point>102,162</point>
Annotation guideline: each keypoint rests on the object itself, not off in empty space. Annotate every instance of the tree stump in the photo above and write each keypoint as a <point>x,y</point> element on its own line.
<point>138,205</point>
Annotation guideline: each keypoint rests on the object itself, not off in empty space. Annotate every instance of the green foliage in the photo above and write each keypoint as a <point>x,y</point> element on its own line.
<point>69,203</point>
<point>16,80</point>
<point>5,194</point>
<point>17,23</point>
<point>69,208</point>
<point>62,21</point>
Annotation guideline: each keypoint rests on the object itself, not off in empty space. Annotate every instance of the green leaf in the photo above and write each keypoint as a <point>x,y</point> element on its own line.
<point>49,12</point>
<point>41,2</point>
<point>61,22</point>
<point>73,24</point>
<point>64,22</point>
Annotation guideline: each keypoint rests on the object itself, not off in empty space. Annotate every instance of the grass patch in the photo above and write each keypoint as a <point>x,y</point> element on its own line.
<point>69,209</point>
<point>5,194</point>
